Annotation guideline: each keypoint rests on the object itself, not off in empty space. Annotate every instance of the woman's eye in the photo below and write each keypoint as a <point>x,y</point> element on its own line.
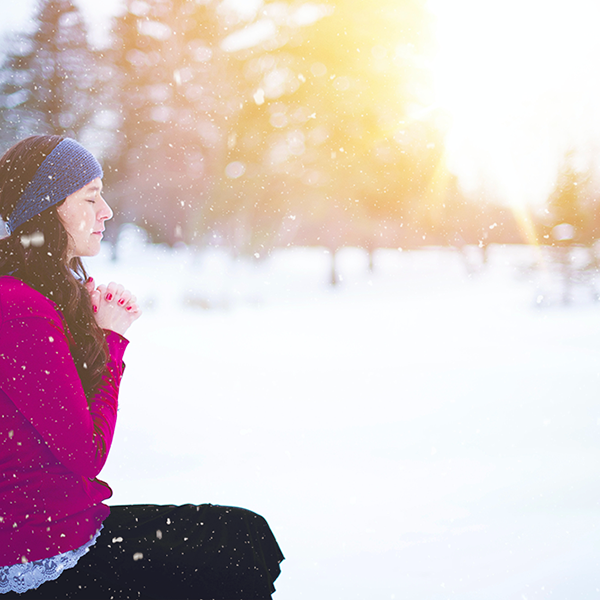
<point>92,201</point>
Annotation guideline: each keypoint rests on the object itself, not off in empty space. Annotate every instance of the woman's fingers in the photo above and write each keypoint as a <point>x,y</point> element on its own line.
<point>95,297</point>
<point>113,291</point>
<point>89,285</point>
<point>134,310</point>
<point>114,307</point>
<point>126,298</point>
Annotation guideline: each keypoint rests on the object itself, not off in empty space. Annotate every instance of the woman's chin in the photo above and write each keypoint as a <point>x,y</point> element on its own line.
<point>89,252</point>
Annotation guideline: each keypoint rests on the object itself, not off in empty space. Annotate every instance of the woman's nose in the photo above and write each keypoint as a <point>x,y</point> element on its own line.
<point>105,213</point>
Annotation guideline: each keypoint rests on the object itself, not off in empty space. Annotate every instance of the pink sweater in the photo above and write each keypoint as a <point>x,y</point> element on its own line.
<point>52,446</point>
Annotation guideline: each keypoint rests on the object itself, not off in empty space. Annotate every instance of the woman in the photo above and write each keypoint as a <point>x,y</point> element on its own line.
<point>61,350</point>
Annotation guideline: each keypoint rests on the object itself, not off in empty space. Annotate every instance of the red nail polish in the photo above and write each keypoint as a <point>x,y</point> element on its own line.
<point>109,297</point>
<point>90,280</point>
<point>129,308</point>
<point>121,301</point>
<point>95,309</point>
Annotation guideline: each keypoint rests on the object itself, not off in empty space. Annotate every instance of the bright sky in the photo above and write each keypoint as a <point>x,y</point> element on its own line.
<point>520,80</point>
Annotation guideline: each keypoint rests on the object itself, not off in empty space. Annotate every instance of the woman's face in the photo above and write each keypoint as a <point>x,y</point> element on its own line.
<point>83,214</point>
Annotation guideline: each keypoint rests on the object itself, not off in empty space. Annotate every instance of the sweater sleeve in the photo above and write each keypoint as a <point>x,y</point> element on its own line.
<point>39,375</point>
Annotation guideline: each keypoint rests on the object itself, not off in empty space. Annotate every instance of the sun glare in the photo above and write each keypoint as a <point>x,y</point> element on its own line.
<point>518,81</point>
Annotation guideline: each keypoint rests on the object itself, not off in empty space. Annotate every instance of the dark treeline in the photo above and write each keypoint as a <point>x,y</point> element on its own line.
<point>299,123</point>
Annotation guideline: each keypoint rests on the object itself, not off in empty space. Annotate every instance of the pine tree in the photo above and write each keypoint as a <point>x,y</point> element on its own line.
<point>173,96</point>
<point>569,203</point>
<point>47,81</point>
<point>244,140</point>
<point>332,120</point>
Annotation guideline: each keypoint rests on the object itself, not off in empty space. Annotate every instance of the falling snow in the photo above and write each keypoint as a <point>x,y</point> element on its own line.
<point>424,424</point>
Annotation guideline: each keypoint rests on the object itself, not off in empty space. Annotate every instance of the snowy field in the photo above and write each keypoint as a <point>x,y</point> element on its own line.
<point>422,432</point>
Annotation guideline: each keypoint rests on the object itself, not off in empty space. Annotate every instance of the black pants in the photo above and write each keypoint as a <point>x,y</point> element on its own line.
<point>173,552</point>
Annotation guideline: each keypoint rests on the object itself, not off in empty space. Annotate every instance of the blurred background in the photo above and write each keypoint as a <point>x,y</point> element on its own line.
<point>257,125</point>
<point>365,238</point>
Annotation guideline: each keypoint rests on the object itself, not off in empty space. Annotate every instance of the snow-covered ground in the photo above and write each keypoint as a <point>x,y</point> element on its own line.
<point>419,432</point>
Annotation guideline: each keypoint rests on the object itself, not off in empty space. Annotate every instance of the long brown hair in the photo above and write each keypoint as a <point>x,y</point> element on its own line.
<point>37,254</point>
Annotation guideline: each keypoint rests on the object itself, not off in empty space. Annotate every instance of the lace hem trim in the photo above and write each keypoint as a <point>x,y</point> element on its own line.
<point>29,576</point>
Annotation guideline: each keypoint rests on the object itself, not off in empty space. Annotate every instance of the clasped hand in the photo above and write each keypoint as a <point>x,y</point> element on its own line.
<point>114,307</point>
